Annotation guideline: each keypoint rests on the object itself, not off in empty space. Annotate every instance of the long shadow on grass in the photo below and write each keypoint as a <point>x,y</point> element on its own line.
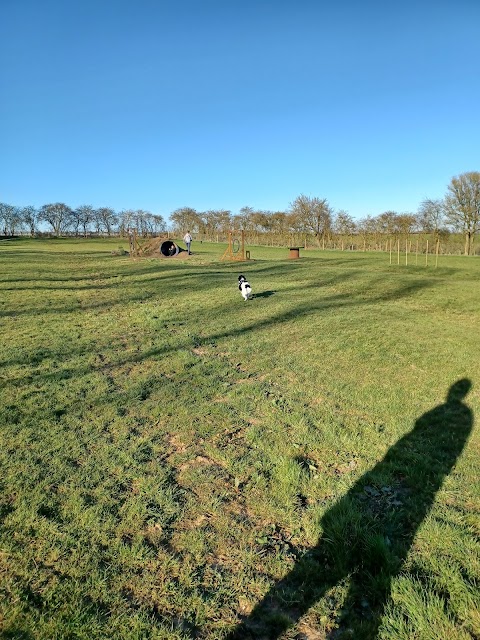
<point>324,304</point>
<point>148,293</point>
<point>367,534</point>
<point>163,273</point>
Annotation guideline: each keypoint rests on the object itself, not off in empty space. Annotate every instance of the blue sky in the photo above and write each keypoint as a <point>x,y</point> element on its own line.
<point>212,104</point>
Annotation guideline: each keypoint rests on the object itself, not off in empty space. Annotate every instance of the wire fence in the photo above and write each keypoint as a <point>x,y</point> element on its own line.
<point>414,243</point>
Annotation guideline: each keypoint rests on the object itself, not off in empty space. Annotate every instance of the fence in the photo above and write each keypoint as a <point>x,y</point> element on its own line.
<point>421,242</point>
<point>452,245</point>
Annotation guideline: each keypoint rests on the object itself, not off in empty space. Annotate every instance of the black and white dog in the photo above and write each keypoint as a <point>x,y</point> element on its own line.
<point>245,288</point>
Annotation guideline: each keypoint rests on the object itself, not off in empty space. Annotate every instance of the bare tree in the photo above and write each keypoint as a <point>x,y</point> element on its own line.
<point>462,206</point>
<point>29,216</point>
<point>106,219</point>
<point>406,223</point>
<point>431,216</point>
<point>139,222</point>
<point>295,223</point>
<point>126,221</point>
<point>83,216</point>
<point>344,225</point>
<point>279,222</point>
<point>159,225</point>
<point>146,222</point>
<point>186,219</point>
<point>261,220</point>
<point>368,229</point>
<point>4,213</point>
<point>245,218</point>
<point>312,215</point>
<point>387,222</point>
<point>237,222</point>
<point>10,219</point>
<point>57,215</point>
<point>216,220</point>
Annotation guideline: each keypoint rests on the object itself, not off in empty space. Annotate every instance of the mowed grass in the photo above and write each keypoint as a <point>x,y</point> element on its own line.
<point>179,463</point>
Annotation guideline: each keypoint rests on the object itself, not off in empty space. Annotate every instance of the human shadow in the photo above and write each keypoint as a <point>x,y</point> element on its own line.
<point>367,534</point>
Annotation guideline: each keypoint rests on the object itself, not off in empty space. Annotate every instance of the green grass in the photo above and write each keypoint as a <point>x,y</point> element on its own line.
<point>177,463</point>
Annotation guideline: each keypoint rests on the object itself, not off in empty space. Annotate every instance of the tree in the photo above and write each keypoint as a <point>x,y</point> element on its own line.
<point>344,225</point>
<point>216,220</point>
<point>387,222</point>
<point>430,216</point>
<point>10,219</point>
<point>29,216</point>
<point>462,206</point>
<point>159,225</point>
<point>369,229</point>
<point>144,222</point>
<point>245,218</point>
<point>106,219</point>
<point>312,215</point>
<point>83,216</point>
<point>294,223</point>
<point>126,221</point>
<point>279,222</point>
<point>57,215</point>
<point>237,222</point>
<point>406,223</point>
<point>261,220</point>
<point>186,219</point>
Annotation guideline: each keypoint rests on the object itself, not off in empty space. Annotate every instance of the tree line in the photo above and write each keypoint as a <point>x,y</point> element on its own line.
<point>313,219</point>
<point>308,218</point>
<point>60,219</point>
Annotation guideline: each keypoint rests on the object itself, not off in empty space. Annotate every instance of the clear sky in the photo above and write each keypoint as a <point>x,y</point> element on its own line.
<point>158,104</point>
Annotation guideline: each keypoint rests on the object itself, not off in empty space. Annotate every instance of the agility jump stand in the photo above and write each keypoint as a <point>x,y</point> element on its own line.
<point>236,249</point>
<point>135,248</point>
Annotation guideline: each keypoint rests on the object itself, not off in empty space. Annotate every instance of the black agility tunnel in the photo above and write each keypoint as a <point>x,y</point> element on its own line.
<point>170,249</point>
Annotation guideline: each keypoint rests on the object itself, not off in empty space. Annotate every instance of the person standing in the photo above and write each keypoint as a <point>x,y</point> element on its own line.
<point>187,238</point>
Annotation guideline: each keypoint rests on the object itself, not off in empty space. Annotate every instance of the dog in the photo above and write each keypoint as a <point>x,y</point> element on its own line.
<point>244,287</point>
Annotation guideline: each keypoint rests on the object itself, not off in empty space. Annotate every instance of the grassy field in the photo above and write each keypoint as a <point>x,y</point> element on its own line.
<point>178,463</point>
